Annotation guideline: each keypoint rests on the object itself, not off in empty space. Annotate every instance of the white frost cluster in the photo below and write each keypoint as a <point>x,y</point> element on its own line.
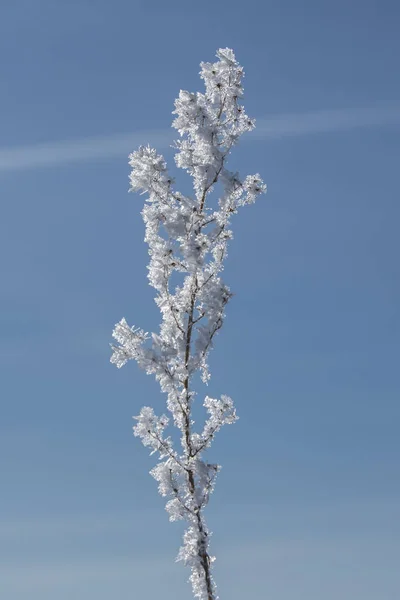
<point>188,238</point>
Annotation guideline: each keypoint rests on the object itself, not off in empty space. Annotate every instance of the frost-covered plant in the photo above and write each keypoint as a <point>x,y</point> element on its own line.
<point>189,236</point>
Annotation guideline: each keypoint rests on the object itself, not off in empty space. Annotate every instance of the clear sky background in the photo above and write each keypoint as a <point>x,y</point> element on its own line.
<point>307,504</point>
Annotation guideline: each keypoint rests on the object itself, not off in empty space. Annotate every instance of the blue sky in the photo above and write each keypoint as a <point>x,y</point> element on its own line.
<point>307,503</point>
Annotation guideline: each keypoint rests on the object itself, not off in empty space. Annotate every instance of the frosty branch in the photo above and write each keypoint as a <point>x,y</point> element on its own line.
<point>189,236</point>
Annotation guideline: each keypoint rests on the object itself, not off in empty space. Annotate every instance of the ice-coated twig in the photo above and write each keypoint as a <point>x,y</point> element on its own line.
<point>188,238</point>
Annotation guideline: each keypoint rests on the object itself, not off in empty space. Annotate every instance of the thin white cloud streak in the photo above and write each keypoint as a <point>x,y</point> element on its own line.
<point>347,568</point>
<point>64,152</point>
<point>273,127</point>
<point>325,121</point>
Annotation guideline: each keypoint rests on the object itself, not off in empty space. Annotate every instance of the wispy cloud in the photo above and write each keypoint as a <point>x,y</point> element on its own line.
<point>345,568</point>
<point>325,121</point>
<point>69,151</point>
<point>268,128</point>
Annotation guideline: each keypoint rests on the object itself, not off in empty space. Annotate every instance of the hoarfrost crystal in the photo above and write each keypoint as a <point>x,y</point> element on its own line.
<point>188,236</point>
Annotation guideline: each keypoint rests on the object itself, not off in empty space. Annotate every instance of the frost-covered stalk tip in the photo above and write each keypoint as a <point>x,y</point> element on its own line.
<point>189,236</point>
